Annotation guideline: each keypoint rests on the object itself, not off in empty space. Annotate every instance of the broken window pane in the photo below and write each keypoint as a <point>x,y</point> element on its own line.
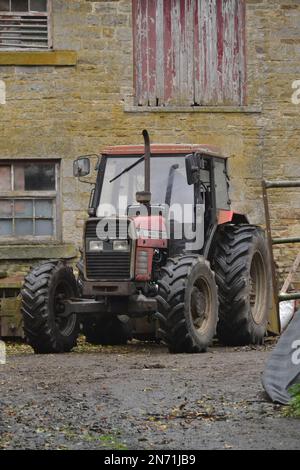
<point>5,178</point>
<point>43,227</point>
<point>19,5</point>
<point>35,177</point>
<point>5,228</point>
<point>6,208</point>
<point>23,227</point>
<point>4,5</point>
<point>23,208</point>
<point>38,5</point>
<point>43,208</point>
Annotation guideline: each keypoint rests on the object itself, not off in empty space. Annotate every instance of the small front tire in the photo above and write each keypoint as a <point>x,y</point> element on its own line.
<point>46,329</point>
<point>187,304</point>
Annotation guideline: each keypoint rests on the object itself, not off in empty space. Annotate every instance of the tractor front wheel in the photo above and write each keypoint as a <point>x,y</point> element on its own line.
<point>46,328</point>
<point>187,304</point>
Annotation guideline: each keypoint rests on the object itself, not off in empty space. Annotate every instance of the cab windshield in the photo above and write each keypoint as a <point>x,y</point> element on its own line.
<point>118,195</point>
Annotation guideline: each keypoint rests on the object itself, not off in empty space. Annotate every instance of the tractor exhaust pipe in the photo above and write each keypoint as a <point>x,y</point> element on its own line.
<point>144,197</point>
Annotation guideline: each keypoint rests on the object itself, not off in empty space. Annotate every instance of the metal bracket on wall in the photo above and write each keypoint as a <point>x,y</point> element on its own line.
<point>282,296</point>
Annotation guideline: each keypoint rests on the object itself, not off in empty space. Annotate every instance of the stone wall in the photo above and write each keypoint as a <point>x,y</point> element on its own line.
<point>65,111</point>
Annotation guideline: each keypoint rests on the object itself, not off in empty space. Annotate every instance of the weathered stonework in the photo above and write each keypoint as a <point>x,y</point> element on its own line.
<point>61,111</point>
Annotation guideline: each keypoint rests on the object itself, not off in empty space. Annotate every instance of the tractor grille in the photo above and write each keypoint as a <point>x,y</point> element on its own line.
<point>108,264</point>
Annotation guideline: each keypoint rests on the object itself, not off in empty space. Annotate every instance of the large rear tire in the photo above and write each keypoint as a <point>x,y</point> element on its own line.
<point>242,267</point>
<point>46,329</point>
<point>187,304</point>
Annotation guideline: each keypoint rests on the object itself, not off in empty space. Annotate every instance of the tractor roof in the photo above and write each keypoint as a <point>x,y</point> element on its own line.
<point>161,149</point>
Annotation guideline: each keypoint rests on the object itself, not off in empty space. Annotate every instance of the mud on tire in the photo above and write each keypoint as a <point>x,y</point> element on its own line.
<point>44,288</point>
<point>187,304</point>
<point>242,267</point>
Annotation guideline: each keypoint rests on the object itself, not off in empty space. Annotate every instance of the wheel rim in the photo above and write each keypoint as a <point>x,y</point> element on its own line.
<point>200,305</point>
<point>257,288</point>
<point>64,324</point>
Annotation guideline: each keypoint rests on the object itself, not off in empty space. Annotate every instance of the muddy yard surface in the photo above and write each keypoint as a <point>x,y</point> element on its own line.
<point>139,397</point>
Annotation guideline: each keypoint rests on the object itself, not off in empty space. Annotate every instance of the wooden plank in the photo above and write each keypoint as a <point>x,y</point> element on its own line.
<point>220,49</point>
<point>175,51</point>
<point>242,52</point>
<point>140,51</point>
<point>211,53</point>
<point>234,52</point>
<point>152,50</point>
<point>144,51</point>
<point>160,75</point>
<point>203,73</point>
<point>196,54</point>
<point>169,62</point>
<point>182,53</point>
<point>135,51</point>
<point>291,275</point>
<point>228,36</point>
<point>187,85</point>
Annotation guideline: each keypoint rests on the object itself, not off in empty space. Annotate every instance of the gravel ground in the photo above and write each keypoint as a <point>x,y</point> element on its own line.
<point>139,397</point>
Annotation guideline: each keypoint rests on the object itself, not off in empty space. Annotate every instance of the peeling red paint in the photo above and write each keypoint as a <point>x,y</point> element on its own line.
<point>189,52</point>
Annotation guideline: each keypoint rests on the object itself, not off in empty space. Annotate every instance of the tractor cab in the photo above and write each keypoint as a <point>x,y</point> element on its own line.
<point>188,187</point>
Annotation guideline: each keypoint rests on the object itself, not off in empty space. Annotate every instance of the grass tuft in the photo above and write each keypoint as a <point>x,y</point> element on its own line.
<point>293,409</point>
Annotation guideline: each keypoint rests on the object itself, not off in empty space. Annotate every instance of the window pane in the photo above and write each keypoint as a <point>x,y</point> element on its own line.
<point>5,178</point>
<point>43,227</point>
<point>23,227</point>
<point>4,5</point>
<point>35,177</point>
<point>5,228</point>
<point>19,5</point>
<point>6,208</point>
<point>221,186</point>
<point>38,5</point>
<point>23,208</point>
<point>43,208</point>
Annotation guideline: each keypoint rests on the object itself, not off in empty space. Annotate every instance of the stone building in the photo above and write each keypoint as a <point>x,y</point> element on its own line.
<point>77,75</point>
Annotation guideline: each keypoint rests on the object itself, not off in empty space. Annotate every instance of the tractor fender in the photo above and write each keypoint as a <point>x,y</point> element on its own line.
<point>227,216</point>
<point>224,217</point>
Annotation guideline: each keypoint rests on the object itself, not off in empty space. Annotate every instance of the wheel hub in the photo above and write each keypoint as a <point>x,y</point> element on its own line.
<point>200,305</point>
<point>64,323</point>
<point>257,288</point>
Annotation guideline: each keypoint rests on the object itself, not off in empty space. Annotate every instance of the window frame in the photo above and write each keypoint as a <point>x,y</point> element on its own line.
<point>54,196</point>
<point>47,14</point>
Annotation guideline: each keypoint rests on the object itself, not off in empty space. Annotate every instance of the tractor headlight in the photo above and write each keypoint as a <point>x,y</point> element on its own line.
<point>120,245</point>
<point>96,246</point>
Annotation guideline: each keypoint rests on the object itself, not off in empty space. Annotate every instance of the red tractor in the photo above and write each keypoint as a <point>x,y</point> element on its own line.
<point>164,258</point>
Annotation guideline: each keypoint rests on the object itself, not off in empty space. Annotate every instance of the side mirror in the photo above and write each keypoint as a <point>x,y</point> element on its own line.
<point>192,166</point>
<point>81,167</point>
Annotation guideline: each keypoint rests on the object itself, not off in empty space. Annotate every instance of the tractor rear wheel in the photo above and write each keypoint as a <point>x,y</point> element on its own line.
<point>46,329</point>
<point>242,267</point>
<point>187,304</point>
<point>109,331</point>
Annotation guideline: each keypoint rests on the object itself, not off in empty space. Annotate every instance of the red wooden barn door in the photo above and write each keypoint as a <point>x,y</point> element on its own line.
<point>189,52</point>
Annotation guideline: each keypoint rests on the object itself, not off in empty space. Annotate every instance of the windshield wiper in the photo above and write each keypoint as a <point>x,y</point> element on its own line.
<point>140,160</point>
